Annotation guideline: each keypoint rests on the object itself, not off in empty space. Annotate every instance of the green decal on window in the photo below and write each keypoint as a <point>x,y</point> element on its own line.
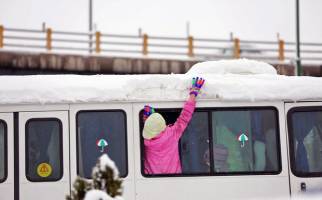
<point>102,144</point>
<point>242,138</point>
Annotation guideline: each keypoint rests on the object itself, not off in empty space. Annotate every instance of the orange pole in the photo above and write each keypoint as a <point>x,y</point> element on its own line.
<point>48,39</point>
<point>145,44</point>
<point>281,56</point>
<point>190,46</point>
<point>1,36</point>
<point>98,42</point>
<point>236,48</point>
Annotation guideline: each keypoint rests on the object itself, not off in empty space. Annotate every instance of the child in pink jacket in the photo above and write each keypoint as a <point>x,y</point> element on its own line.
<point>161,142</point>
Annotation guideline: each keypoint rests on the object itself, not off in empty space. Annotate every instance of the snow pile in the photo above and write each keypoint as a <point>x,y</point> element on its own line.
<point>263,87</point>
<point>100,195</point>
<point>97,195</point>
<point>236,66</point>
<point>46,89</point>
<point>105,161</point>
<point>238,80</point>
<point>103,187</point>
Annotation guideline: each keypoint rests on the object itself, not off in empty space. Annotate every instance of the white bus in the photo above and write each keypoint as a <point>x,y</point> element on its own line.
<point>254,134</point>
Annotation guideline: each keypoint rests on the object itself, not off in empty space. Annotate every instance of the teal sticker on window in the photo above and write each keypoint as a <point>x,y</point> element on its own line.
<point>102,144</point>
<point>242,138</point>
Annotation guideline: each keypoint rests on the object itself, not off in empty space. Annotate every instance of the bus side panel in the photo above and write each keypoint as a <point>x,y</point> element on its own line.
<point>128,180</point>
<point>7,183</point>
<point>310,181</point>
<point>211,187</point>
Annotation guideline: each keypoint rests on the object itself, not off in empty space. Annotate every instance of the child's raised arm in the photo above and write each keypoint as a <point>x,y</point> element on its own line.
<point>188,108</point>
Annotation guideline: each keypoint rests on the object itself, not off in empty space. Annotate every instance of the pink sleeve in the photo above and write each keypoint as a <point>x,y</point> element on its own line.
<point>184,119</point>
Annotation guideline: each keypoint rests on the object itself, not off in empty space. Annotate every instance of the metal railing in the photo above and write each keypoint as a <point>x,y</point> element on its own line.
<point>52,41</point>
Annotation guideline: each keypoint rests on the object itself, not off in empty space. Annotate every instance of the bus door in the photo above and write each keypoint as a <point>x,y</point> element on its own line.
<point>98,129</point>
<point>6,156</point>
<point>43,155</point>
<point>304,122</point>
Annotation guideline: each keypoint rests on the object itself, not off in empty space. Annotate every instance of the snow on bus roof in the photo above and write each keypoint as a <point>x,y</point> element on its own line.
<point>236,66</point>
<point>233,83</point>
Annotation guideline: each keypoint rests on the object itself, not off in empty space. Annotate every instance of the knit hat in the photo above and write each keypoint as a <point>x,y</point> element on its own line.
<point>153,126</point>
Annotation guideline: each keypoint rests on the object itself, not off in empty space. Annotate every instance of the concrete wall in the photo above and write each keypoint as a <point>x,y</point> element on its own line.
<point>34,63</point>
<point>91,64</point>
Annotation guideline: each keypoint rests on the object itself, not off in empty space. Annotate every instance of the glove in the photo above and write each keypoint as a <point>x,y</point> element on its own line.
<point>197,83</point>
<point>148,110</point>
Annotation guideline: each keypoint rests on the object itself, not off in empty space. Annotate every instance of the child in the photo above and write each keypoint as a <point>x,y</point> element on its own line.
<point>161,141</point>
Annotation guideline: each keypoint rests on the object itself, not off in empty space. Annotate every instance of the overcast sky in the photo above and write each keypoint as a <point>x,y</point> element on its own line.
<point>247,19</point>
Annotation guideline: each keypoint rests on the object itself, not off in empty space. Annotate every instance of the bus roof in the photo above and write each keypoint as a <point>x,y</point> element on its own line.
<point>264,85</point>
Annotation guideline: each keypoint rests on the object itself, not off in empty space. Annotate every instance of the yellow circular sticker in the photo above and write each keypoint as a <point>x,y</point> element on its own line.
<point>44,170</point>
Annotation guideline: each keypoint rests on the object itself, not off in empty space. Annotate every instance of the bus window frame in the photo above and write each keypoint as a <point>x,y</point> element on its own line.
<point>212,172</point>
<point>5,159</point>
<point>125,142</point>
<point>60,124</point>
<point>291,144</point>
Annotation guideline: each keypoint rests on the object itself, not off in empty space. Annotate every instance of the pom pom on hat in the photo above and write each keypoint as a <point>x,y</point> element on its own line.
<point>148,110</point>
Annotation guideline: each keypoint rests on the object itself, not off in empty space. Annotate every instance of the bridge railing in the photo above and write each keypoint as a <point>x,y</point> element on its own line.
<point>97,43</point>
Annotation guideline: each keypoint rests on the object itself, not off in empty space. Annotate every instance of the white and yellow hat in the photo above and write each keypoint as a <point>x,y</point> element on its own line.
<point>153,126</point>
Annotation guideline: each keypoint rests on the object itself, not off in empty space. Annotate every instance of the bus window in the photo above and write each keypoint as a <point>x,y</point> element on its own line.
<point>3,151</point>
<point>223,141</point>
<point>44,150</point>
<point>245,141</point>
<point>194,145</point>
<point>305,128</point>
<point>101,132</point>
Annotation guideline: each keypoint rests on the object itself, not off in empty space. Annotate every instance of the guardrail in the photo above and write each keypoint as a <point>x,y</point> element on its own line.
<point>98,43</point>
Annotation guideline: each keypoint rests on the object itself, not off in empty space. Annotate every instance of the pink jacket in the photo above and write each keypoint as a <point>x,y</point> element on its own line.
<point>161,152</point>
